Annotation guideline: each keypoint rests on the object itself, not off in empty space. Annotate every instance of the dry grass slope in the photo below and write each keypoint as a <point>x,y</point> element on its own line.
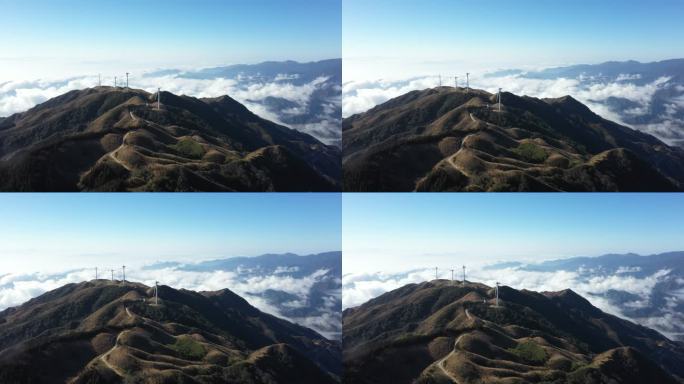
<point>114,139</point>
<point>447,139</point>
<point>439,332</point>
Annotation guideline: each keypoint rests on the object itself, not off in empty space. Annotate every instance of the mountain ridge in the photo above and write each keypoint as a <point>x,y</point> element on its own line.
<point>108,138</point>
<point>442,331</point>
<point>105,332</point>
<point>452,139</point>
<point>657,306</point>
<point>659,86</point>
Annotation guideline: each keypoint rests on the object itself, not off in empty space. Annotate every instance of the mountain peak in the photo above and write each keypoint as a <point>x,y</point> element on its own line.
<point>568,296</point>
<point>96,330</point>
<point>573,105</point>
<point>117,139</point>
<point>450,139</point>
<point>440,329</point>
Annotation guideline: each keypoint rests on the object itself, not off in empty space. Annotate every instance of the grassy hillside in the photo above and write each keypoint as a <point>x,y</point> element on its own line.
<point>440,332</point>
<point>451,139</point>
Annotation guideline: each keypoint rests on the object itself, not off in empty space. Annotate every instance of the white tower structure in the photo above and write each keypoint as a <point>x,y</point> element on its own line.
<point>95,273</point>
<point>467,81</point>
<point>115,82</point>
<point>112,274</point>
<point>99,79</point>
<point>452,276</point>
<point>499,100</point>
<point>123,267</point>
<point>156,293</point>
<point>127,79</point>
<point>455,81</point>
<point>440,79</point>
<point>435,273</point>
<point>464,275</point>
<point>497,294</point>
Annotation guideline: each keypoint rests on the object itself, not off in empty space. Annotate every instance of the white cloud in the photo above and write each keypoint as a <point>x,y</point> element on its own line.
<point>667,130</point>
<point>285,76</point>
<point>359,288</point>
<point>628,270</point>
<point>325,321</point>
<point>627,77</point>
<point>19,288</point>
<point>361,96</point>
<point>286,270</point>
<point>23,95</point>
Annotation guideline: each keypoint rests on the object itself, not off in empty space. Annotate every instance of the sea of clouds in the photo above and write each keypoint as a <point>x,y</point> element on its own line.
<point>590,284</point>
<point>19,96</point>
<point>16,289</point>
<point>361,95</point>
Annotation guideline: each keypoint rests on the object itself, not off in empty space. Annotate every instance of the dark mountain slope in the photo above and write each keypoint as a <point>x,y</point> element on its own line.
<point>114,139</point>
<point>323,301</point>
<point>661,114</point>
<point>446,139</point>
<point>106,332</point>
<point>657,307</point>
<point>442,332</point>
<point>319,115</point>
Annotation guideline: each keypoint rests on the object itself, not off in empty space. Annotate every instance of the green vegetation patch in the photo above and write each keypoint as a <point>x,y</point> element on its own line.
<point>530,352</point>
<point>189,148</point>
<point>577,365</point>
<point>188,348</point>
<point>531,152</point>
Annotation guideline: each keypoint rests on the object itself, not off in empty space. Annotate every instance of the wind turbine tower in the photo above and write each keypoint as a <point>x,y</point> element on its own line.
<point>440,79</point>
<point>112,274</point>
<point>114,81</point>
<point>123,267</point>
<point>127,79</point>
<point>95,273</point>
<point>499,99</point>
<point>464,275</point>
<point>467,81</point>
<point>158,98</point>
<point>435,273</point>
<point>452,276</point>
<point>156,293</point>
<point>455,81</point>
<point>497,294</point>
<point>99,79</point>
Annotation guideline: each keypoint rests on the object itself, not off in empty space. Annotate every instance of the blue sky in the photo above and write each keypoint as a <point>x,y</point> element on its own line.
<point>406,231</point>
<point>468,34</point>
<point>46,232</point>
<point>54,36</point>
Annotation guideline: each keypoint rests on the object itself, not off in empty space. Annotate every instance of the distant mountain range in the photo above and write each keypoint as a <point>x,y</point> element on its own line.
<point>446,332</point>
<point>318,115</point>
<point>662,309</point>
<point>662,114</point>
<point>290,71</point>
<point>322,306</point>
<point>632,71</point>
<point>115,139</point>
<point>451,139</point>
<point>109,332</point>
